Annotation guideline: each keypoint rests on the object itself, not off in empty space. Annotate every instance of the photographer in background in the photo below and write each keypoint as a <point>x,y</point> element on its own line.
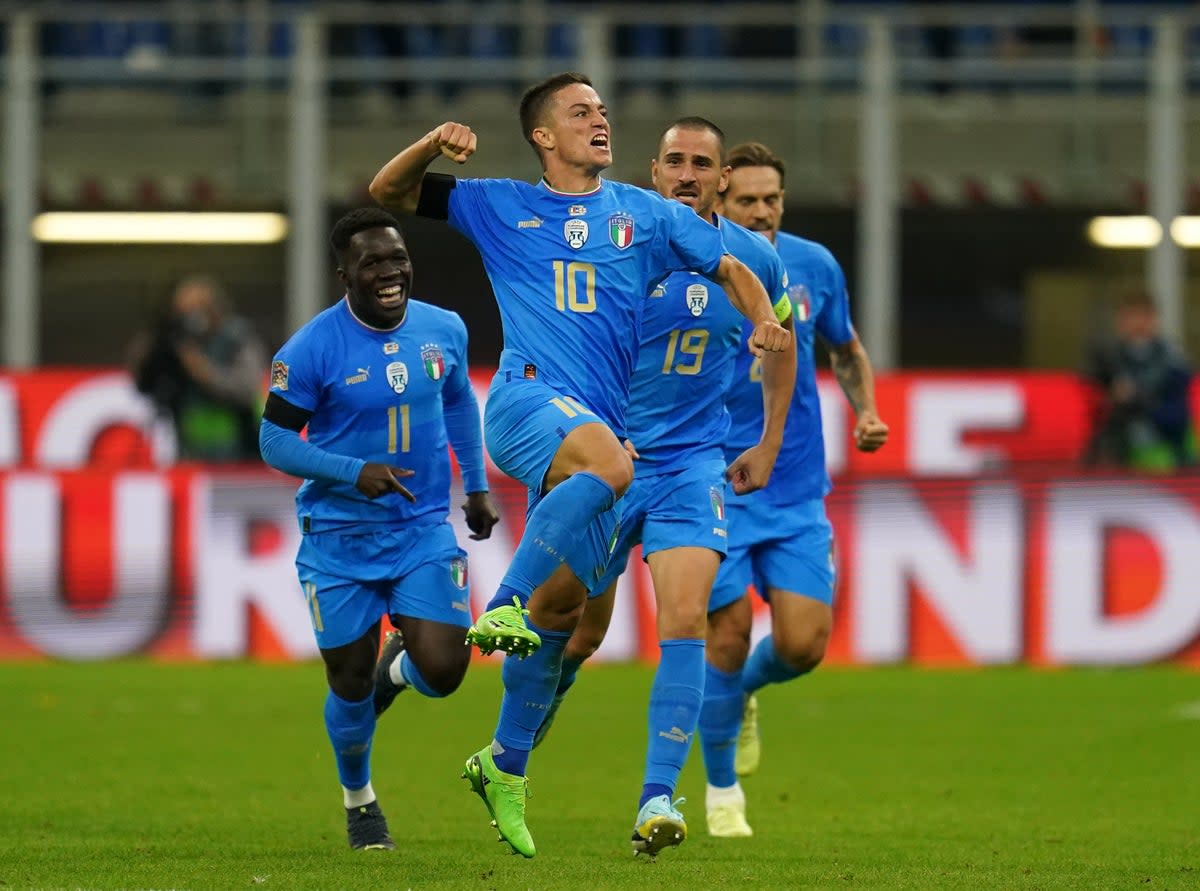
<point>1144,420</point>
<point>204,367</point>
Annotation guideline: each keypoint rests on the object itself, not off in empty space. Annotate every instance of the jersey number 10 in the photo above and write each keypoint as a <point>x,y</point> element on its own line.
<point>566,286</point>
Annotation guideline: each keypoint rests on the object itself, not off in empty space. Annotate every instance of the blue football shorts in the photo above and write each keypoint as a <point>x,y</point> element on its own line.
<point>350,580</point>
<point>524,423</point>
<point>788,550</point>
<point>681,508</point>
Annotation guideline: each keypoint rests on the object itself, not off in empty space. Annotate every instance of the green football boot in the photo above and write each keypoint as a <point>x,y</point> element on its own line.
<point>504,794</point>
<point>503,628</point>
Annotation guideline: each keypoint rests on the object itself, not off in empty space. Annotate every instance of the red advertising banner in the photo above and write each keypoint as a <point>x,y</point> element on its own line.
<point>972,539</point>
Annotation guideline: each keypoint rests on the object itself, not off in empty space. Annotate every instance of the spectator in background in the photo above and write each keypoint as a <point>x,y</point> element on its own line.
<point>204,368</point>
<point>1144,420</point>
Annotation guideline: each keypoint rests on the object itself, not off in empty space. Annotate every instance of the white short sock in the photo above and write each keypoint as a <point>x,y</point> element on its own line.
<point>395,673</point>
<point>717,796</point>
<point>358,797</point>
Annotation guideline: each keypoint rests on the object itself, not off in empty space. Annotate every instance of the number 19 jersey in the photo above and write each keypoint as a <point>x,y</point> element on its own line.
<point>691,336</point>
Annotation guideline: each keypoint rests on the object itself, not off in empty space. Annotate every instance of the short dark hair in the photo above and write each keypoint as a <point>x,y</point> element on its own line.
<point>359,220</point>
<point>755,154</point>
<point>537,97</point>
<point>695,122</point>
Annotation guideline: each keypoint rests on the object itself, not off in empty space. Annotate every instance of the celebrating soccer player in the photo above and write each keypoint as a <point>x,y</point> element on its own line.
<point>691,336</point>
<point>571,261</point>
<point>379,380</point>
<point>779,537</point>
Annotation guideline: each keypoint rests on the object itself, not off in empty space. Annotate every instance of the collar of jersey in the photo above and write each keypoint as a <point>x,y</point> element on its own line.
<point>396,327</point>
<point>553,191</point>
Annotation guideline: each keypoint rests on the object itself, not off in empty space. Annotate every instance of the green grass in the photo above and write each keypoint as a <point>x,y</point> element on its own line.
<point>137,775</point>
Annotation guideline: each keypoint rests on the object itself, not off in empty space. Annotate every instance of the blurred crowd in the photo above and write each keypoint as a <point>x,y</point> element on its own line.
<point>176,28</point>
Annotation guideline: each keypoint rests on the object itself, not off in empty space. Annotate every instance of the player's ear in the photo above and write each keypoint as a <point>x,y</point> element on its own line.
<point>654,172</point>
<point>542,138</point>
<point>723,183</point>
<point>342,277</point>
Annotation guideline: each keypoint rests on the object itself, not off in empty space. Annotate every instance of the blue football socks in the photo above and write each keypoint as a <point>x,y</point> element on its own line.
<point>554,527</point>
<point>765,667</point>
<point>350,726</point>
<point>675,701</point>
<point>529,688</point>
<point>720,720</point>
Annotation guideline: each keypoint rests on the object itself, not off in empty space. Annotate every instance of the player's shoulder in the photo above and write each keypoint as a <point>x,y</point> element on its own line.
<point>797,250</point>
<point>739,238</point>
<point>319,329</point>
<point>432,316</point>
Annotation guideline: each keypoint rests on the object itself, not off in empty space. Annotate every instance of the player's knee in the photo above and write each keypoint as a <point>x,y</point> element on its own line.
<point>446,675</point>
<point>351,685</point>
<point>804,651</point>
<point>685,620</point>
<point>728,645</point>
<point>584,643</point>
<point>615,469</point>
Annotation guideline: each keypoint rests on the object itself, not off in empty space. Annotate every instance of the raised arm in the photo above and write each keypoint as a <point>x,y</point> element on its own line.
<point>749,297</point>
<point>856,377</point>
<point>751,470</point>
<point>397,186</point>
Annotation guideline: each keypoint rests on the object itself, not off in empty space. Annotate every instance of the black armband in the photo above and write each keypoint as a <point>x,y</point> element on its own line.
<point>434,202</point>
<point>282,413</point>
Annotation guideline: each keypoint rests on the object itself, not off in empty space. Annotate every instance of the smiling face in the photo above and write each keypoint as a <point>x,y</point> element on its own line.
<point>575,131</point>
<point>377,273</point>
<point>688,168</point>
<point>754,199</point>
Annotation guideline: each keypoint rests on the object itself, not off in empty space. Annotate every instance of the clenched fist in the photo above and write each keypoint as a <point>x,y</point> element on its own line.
<point>455,141</point>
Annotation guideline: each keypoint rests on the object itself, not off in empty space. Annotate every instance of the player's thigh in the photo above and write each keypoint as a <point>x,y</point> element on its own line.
<point>684,539</point>
<point>340,610</point>
<point>527,424</point>
<point>595,449</point>
<point>798,576</point>
<point>683,576</point>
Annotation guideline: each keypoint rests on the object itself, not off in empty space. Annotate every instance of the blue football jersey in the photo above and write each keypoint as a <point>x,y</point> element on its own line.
<point>691,336</point>
<point>571,274</point>
<point>379,396</point>
<point>820,304</point>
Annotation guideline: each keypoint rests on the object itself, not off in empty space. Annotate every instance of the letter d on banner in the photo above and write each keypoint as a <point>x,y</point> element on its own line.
<point>1078,631</point>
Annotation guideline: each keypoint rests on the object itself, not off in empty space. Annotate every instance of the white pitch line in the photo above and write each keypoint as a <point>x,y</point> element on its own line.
<point>1189,711</point>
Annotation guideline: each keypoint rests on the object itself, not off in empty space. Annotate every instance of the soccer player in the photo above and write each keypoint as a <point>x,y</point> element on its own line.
<point>675,508</point>
<point>378,378</point>
<point>572,261</point>
<point>779,537</point>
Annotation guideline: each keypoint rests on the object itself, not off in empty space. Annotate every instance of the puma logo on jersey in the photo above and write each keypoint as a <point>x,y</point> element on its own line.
<point>363,374</point>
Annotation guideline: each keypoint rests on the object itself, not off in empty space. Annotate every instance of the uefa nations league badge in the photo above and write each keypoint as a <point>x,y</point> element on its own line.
<point>576,233</point>
<point>397,376</point>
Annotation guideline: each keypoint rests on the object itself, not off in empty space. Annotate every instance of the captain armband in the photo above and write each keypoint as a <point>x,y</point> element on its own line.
<point>783,308</point>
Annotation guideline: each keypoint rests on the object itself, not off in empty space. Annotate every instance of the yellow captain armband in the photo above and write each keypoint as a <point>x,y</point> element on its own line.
<point>783,309</point>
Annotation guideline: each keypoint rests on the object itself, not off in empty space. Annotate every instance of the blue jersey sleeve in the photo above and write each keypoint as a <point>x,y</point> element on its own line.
<point>470,207</point>
<point>284,450</point>
<point>689,242</point>
<point>297,371</point>
<point>461,413</point>
<point>833,319</point>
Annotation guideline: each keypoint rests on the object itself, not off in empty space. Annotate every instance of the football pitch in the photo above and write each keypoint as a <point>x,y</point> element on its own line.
<point>141,775</point>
